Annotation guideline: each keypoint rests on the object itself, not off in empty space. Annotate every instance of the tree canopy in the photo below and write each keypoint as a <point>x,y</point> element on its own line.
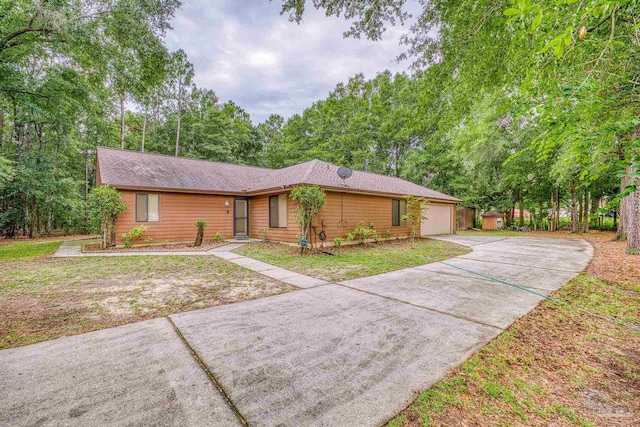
<point>522,103</point>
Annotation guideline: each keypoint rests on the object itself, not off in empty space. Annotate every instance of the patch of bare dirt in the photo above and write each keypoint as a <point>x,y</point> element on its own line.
<point>47,298</point>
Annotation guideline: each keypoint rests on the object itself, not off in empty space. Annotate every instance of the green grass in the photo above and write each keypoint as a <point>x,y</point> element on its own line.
<point>26,250</point>
<point>354,262</point>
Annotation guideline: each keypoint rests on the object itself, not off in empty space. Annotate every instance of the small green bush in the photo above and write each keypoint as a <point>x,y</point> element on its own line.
<point>337,241</point>
<point>387,235</point>
<point>263,234</point>
<point>133,235</point>
<point>361,233</point>
<point>217,237</point>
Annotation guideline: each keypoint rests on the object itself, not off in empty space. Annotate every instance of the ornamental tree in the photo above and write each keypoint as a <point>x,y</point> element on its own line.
<point>311,199</point>
<point>104,205</point>
<point>415,214</point>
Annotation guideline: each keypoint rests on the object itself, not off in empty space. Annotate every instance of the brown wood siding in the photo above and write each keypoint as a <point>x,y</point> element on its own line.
<point>340,215</point>
<point>259,219</point>
<point>343,212</point>
<point>178,212</point>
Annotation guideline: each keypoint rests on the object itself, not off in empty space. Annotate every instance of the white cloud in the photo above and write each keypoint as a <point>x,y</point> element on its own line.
<point>255,57</point>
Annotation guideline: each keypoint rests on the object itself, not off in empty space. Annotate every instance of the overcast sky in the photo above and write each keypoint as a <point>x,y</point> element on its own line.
<point>246,52</point>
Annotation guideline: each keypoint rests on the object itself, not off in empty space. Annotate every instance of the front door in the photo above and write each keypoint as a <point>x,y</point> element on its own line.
<point>240,218</point>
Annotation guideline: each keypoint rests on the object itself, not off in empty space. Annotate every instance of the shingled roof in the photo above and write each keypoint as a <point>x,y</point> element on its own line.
<point>132,169</point>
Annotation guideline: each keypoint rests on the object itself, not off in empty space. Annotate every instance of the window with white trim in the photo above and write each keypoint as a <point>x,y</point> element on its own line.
<point>147,207</point>
<point>278,211</point>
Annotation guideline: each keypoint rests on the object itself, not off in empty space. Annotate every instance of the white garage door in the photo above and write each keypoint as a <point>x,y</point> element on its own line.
<point>438,220</point>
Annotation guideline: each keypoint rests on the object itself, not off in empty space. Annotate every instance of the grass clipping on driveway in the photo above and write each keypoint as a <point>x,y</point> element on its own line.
<point>351,262</point>
<point>43,298</point>
<point>555,366</point>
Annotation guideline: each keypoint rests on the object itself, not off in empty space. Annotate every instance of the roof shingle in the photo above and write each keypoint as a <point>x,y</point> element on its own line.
<point>132,169</point>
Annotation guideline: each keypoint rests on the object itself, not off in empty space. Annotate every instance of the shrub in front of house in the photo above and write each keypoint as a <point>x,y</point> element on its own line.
<point>362,233</point>
<point>133,235</point>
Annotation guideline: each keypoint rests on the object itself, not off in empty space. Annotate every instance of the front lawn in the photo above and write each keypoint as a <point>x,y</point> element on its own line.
<point>25,250</point>
<point>351,262</point>
<point>555,366</point>
<point>43,298</point>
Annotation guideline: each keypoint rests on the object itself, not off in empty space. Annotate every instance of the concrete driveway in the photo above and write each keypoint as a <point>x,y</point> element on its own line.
<point>354,353</point>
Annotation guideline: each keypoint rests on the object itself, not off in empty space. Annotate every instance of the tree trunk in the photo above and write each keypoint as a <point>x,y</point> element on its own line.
<point>178,131</point>
<point>49,225</point>
<point>105,236</point>
<point>541,209</point>
<point>86,190</point>
<point>580,210</point>
<point>552,217</point>
<point>557,217</point>
<point>574,207</point>
<point>521,220</point>
<point>633,221</point>
<point>199,236</point>
<point>144,129</point>
<point>1,128</point>
<point>622,220</point>
<point>585,213</point>
<point>122,128</point>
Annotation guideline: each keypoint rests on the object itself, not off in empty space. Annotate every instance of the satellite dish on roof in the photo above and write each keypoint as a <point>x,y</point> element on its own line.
<point>344,173</point>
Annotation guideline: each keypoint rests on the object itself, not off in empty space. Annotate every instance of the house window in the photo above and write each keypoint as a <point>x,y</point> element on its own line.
<point>398,210</point>
<point>147,207</point>
<point>278,211</point>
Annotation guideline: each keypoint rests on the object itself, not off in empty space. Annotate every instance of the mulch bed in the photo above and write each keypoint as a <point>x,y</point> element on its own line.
<point>351,247</point>
<point>169,247</point>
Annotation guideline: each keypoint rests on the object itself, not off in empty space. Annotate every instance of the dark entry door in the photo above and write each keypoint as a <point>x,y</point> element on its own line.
<point>241,217</point>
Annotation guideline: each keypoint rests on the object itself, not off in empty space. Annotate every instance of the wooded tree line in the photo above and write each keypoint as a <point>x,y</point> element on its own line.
<point>509,104</point>
<point>513,103</point>
<point>76,74</point>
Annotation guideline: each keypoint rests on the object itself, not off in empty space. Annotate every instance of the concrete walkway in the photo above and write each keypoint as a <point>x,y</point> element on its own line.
<point>354,353</point>
<point>287,276</point>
